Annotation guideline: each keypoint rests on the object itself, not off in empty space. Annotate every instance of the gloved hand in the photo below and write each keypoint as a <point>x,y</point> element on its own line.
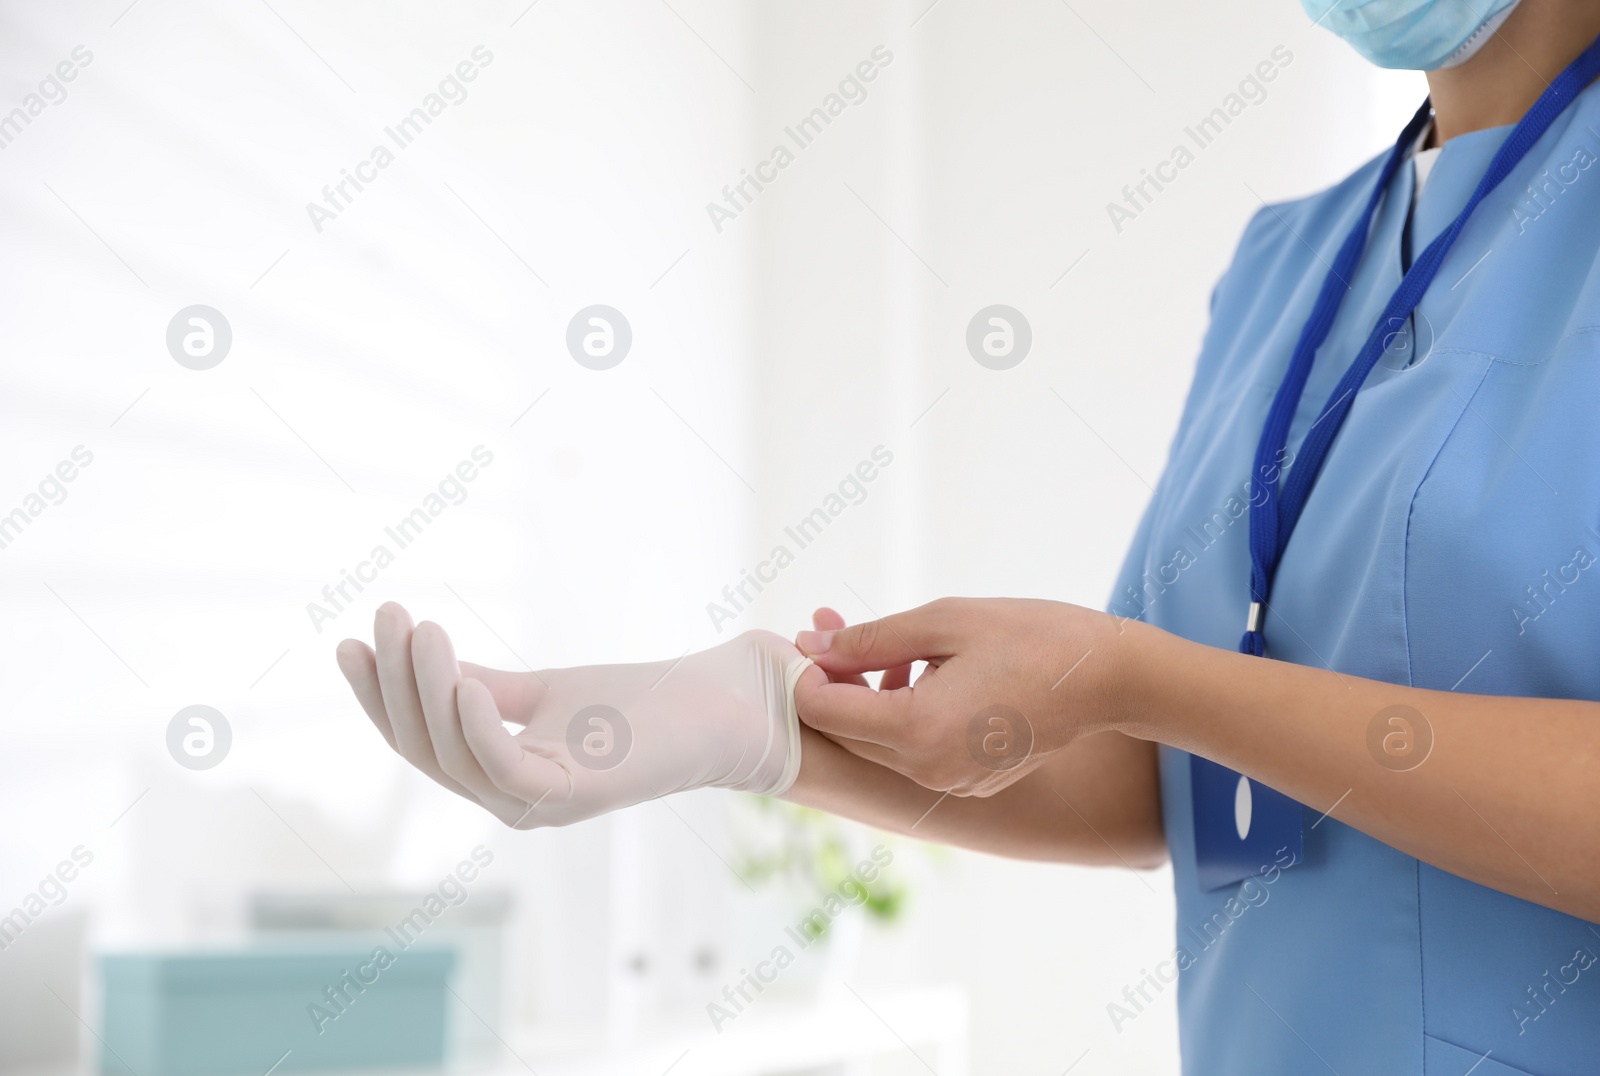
<point>595,738</point>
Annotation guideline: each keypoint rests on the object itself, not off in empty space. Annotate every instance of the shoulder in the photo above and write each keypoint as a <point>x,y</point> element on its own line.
<point>1299,233</point>
<point>1278,266</point>
<point>1285,252</point>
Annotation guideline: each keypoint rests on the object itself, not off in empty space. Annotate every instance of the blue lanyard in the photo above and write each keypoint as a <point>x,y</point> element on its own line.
<point>1273,514</point>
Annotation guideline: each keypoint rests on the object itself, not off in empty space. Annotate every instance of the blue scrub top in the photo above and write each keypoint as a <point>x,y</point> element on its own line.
<point>1452,541</point>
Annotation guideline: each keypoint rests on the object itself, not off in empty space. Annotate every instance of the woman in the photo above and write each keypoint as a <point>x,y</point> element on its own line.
<point>1386,839</point>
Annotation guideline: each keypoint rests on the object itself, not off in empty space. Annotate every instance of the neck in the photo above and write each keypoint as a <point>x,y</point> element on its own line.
<point>1505,77</point>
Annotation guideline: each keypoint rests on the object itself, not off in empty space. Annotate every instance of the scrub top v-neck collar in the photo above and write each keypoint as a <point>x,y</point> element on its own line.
<point>1439,182</point>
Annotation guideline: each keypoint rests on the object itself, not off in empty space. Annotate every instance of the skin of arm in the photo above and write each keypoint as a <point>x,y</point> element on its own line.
<point>1507,798</point>
<point>1097,803</point>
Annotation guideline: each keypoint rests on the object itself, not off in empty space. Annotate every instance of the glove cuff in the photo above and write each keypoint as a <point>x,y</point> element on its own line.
<point>791,726</point>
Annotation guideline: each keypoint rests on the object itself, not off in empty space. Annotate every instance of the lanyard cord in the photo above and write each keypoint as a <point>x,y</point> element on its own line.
<point>1273,519</point>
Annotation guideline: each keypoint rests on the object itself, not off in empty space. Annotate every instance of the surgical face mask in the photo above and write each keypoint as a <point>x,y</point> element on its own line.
<point>1414,35</point>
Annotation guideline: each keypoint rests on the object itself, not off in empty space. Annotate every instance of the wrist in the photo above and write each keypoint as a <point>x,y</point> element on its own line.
<point>1150,669</point>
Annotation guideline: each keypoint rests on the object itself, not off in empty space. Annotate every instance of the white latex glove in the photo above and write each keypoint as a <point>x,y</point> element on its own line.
<point>595,738</point>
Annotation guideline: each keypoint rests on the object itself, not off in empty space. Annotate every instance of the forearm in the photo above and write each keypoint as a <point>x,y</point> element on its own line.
<point>1095,803</point>
<point>1507,797</point>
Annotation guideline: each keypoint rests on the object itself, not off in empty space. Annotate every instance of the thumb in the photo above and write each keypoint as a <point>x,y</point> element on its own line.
<point>922,634</point>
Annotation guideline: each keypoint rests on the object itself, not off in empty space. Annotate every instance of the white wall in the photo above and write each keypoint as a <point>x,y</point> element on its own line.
<point>769,359</point>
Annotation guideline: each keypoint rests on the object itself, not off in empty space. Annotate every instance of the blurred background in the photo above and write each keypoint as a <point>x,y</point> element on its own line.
<point>273,270</point>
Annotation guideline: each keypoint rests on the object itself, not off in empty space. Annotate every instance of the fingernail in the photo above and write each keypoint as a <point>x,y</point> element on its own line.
<point>814,642</point>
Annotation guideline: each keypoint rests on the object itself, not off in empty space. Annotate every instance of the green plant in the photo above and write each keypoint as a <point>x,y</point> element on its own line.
<point>812,850</point>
